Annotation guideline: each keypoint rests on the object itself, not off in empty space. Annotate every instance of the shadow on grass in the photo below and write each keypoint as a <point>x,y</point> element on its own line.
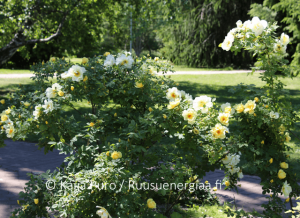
<point>222,94</point>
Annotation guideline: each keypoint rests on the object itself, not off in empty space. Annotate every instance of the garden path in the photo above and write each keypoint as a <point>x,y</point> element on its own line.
<point>19,158</point>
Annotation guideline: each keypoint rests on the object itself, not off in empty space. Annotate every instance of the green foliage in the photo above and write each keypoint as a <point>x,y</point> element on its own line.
<point>263,12</point>
<point>292,10</point>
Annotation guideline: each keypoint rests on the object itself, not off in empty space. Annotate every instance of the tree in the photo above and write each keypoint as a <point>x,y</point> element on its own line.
<point>200,28</point>
<point>76,24</point>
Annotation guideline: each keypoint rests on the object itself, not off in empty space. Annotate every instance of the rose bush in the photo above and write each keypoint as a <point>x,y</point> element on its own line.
<point>266,122</point>
<point>141,137</point>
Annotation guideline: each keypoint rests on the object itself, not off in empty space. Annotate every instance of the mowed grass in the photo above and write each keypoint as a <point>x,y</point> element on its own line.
<point>12,71</point>
<point>187,68</point>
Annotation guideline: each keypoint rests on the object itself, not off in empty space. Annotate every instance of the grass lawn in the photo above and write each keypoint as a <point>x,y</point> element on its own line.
<point>187,68</point>
<point>10,71</point>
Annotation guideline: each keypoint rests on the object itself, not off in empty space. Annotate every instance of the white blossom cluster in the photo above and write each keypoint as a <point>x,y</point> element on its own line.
<point>124,60</point>
<point>231,161</point>
<point>256,26</point>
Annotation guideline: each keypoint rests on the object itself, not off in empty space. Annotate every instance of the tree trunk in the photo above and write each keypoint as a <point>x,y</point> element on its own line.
<point>11,48</point>
<point>19,40</point>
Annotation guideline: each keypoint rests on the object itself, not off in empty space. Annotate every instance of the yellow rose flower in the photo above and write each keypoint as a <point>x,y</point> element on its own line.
<point>215,189</point>
<point>227,183</point>
<point>150,109</point>
<point>224,118</point>
<point>249,107</point>
<point>46,122</point>
<point>91,124</point>
<point>165,116</point>
<point>206,182</point>
<point>271,160</point>
<point>85,79</point>
<point>284,165</point>
<point>7,111</point>
<point>4,118</point>
<point>239,108</point>
<point>36,201</point>
<point>61,93</point>
<point>281,174</point>
<point>196,131</point>
<point>107,153</point>
<point>156,58</point>
<point>72,88</point>
<point>139,85</point>
<point>106,54</point>
<point>115,155</point>
<point>219,131</point>
<point>256,99</point>
<point>84,60</point>
<point>287,137</point>
<point>151,204</point>
<point>2,101</point>
<point>271,181</point>
<point>174,104</point>
<point>262,142</point>
<point>120,154</point>
<point>281,128</point>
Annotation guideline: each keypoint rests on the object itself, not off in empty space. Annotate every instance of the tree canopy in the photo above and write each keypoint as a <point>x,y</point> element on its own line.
<point>76,24</point>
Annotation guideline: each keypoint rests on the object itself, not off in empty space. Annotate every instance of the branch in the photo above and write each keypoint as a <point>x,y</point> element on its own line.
<point>58,32</point>
<point>294,134</point>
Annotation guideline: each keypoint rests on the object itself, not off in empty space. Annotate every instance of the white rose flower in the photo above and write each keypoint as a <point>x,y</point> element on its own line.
<point>183,93</point>
<point>125,61</point>
<point>202,103</point>
<point>10,131</point>
<point>188,99</point>
<point>65,75</point>
<point>37,112</point>
<point>240,175</point>
<point>286,189</point>
<point>279,47</point>
<point>239,24</point>
<point>284,39</point>
<point>109,61</point>
<point>274,115</point>
<point>48,106</point>
<point>51,92</point>
<point>258,25</point>
<point>189,115</point>
<point>247,25</point>
<point>232,33</point>
<point>227,43</point>
<point>233,170</point>
<point>103,213</point>
<point>173,94</point>
<point>76,73</point>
